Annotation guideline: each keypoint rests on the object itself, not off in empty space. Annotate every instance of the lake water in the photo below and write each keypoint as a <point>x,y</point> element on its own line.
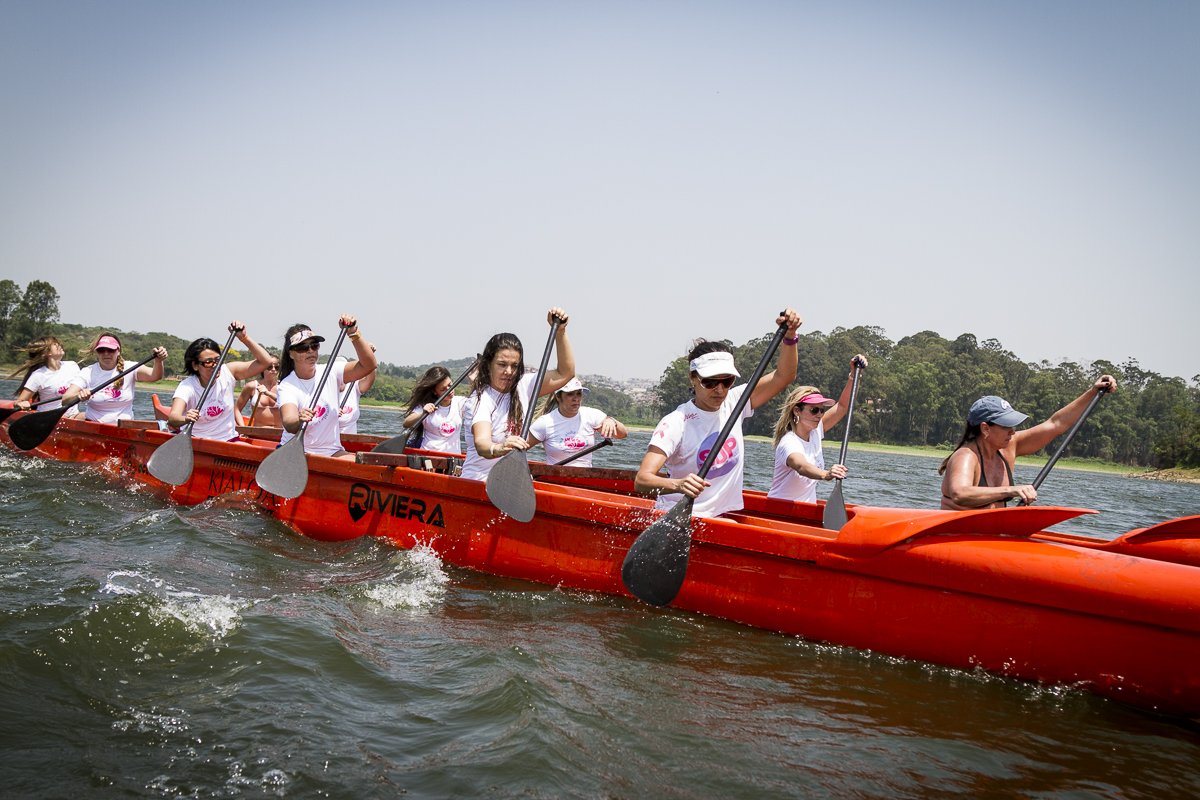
<point>154,651</point>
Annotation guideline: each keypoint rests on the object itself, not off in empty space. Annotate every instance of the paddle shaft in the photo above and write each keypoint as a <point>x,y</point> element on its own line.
<point>107,383</point>
<point>212,378</point>
<point>316,397</point>
<point>541,377</point>
<point>582,453</point>
<point>1037,482</point>
<point>5,413</point>
<point>850,413</point>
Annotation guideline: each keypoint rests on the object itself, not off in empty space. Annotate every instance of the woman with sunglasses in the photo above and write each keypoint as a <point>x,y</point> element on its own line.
<point>566,426</point>
<point>262,397</point>
<point>298,385</point>
<point>115,402</point>
<point>799,459</point>
<point>501,391</point>
<point>683,438</point>
<point>216,420</point>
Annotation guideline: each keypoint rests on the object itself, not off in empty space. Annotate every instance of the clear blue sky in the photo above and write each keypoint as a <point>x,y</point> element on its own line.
<point>1026,171</point>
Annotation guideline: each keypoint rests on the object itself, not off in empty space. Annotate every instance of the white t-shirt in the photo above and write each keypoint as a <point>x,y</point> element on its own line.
<point>348,421</point>
<point>563,437</point>
<point>685,435</point>
<point>490,404</point>
<point>47,384</point>
<point>111,404</point>
<point>789,484</point>
<point>323,437</point>
<point>443,426</point>
<point>216,418</point>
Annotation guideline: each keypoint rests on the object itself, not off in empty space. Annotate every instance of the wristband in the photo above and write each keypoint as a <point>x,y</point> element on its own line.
<point>354,337</point>
<point>792,342</point>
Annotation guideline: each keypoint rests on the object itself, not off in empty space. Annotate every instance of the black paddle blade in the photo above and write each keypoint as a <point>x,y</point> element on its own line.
<point>657,563</point>
<point>835,510</point>
<point>172,461</point>
<point>33,429</point>
<point>510,486</point>
<point>284,473</point>
<point>396,444</point>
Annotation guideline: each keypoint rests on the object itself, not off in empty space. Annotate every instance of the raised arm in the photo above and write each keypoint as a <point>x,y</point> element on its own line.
<point>838,410</point>
<point>784,373</point>
<point>241,370</point>
<point>564,370</point>
<point>1037,437</point>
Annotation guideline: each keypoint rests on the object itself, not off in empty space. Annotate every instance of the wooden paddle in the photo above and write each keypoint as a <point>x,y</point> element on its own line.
<point>509,483</point>
<point>284,473</point>
<point>1037,482</point>
<point>835,507</point>
<point>33,429</point>
<point>5,413</point>
<point>657,563</point>
<point>397,443</point>
<point>172,461</point>
<point>591,449</point>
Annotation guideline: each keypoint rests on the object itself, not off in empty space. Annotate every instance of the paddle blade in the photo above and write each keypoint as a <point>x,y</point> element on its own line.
<point>33,429</point>
<point>396,444</point>
<point>835,510</point>
<point>510,486</point>
<point>657,563</point>
<point>284,473</point>
<point>5,413</point>
<point>172,461</point>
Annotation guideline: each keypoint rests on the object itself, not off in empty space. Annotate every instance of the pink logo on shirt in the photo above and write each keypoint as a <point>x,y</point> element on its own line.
<point>448,428</point>
<point>574,443</point>
<point>320,413</point>
<point>62,390</point>
<point>213,411</point>
<point>112,391</point>
<point>726,460</point>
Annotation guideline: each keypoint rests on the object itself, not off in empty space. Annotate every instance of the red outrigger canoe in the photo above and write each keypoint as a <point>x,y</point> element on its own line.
<point>985,589</point>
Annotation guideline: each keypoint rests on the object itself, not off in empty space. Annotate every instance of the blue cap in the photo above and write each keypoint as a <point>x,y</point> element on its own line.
<point>995,411</point>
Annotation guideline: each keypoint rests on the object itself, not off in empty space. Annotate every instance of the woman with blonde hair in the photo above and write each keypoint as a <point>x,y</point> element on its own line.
<point>803,421</point>
<point>115,401</point>
<point>47,376</point>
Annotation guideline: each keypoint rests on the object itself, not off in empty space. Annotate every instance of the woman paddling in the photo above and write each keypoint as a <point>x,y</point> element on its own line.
<point>566,426</point>
<point>978,474</point>
<point>350,411</point>
<point>262,396</point>
<point>682,439</point>
<point>500,394</point>
<point>216,420</point>
<point>115,402</point>
<point>803,420</point>
<point>441,428</point>
<point>47,376</point>
<point>298,384</point>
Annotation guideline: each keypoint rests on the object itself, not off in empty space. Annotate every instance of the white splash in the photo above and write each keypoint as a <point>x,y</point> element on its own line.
<point>421,590</point>
<point>204,615</point>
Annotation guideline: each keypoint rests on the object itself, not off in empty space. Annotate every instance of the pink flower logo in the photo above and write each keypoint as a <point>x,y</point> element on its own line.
<point>62,390</point>
<point>574,443</point>
<point>320,412</point>
<point>448,428</point>
<point>213,411</point>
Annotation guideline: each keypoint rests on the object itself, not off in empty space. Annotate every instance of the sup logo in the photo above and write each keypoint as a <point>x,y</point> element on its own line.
<point>364,499</point>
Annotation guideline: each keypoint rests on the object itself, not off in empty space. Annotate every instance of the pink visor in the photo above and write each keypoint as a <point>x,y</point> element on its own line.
<point>816,399</point>
<point>108,343</point>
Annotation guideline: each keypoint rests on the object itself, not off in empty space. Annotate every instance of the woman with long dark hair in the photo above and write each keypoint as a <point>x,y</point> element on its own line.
<point>298,386</point>
<point>115,402</point>
<point>683,438</point>
<point>502,391</point>
<point>441,428</point>
<point>216,420</point>
<point>978,474</point>
<point>47,376</point>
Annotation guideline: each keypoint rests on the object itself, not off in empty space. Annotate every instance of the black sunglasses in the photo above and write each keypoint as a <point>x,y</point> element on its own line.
<point>208,362</point>
<point>305,348</point>
<point>712,383</point>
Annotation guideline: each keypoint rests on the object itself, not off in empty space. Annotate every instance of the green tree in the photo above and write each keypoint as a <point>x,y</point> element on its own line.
<point>36,313</point>
<point>10,296</point>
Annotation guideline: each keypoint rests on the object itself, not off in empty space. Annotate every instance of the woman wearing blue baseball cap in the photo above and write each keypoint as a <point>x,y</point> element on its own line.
<point>978,474</point>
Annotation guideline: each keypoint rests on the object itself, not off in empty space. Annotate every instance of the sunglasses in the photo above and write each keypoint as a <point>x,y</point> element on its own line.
<point>273,368</point>
<point>306,348</point>
<point>816,411</point>
<point>100,351</point>
<point>712,383</point>
<point>208,362</point>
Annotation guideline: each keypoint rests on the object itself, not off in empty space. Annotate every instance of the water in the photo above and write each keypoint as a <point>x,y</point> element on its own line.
<point>153,651</point>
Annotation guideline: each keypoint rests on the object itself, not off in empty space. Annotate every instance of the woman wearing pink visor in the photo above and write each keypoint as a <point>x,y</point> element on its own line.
<point>114,402</point>
<point>799,459</point>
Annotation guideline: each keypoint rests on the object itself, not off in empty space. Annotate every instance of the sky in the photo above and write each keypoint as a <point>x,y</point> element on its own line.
<point>1024,171</point>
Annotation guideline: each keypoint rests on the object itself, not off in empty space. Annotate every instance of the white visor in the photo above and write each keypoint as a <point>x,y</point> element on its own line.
<point>716,363</point>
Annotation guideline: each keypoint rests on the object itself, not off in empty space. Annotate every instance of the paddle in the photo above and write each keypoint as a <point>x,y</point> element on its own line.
<point>31,430</point>
<point>835,507</point>
<point>657,563</point>
<point>591,449</point>
<point>397,443</point>
<point>1037,482</point>
<point>5,413</point>
<point>284,473</point>
<point>509,483</point>
<point>172,461</point>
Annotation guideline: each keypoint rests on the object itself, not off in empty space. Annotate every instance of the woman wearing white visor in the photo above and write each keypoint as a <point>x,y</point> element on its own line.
<point>566,426</point>
<point>682,439</point>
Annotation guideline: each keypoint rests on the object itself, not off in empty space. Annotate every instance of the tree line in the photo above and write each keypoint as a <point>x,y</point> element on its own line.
<point>918,390</point>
